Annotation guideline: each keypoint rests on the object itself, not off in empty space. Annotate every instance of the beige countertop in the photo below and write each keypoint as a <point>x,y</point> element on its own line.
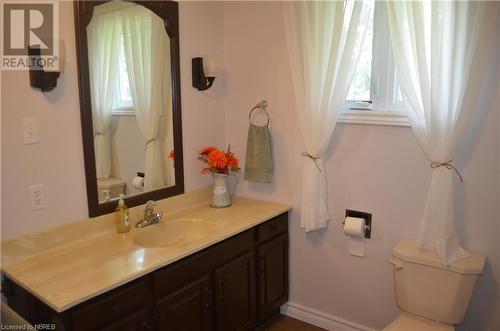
<point>72,263</point>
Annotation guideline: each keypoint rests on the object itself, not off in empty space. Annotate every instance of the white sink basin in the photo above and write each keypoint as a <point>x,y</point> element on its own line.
<point>174,232</point>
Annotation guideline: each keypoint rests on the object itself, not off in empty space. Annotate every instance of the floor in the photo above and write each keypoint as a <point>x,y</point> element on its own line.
<point>285,323</point>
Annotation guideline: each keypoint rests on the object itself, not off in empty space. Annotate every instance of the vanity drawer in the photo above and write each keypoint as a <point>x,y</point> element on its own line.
<point>138,321</point>
<point>272,228</point>
<point>98,314</point>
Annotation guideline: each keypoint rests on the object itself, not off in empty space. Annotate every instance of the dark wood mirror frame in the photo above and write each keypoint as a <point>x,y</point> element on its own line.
<point>168,11</point>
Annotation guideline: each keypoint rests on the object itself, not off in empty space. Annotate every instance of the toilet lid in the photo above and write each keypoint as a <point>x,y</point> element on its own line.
<point>110,183</point>
<point>408,322</point>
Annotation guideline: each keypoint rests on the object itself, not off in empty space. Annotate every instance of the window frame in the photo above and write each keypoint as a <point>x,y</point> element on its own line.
<point>383,108</point>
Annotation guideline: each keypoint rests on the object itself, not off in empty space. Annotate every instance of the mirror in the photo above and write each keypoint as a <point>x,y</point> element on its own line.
<point>130,101</point>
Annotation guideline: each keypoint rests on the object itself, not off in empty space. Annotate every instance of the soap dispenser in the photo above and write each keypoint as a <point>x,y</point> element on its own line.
<point>121,215</point>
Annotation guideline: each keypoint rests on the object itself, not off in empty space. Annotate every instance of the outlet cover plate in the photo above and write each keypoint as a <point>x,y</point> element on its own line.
<point>37,198</point>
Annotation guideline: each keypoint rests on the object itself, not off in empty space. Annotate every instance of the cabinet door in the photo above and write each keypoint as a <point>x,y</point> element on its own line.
<point>187,309</point>
<point>273,274</point>
<point>235,294</point>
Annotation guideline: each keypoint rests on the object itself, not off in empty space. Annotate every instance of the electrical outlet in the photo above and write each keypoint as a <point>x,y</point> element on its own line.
<point>36,197</point>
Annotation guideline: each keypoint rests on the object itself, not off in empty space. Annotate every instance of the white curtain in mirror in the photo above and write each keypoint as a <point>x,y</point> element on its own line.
<point>103,39</point>
<point>441,49</point>
<point>324,44</point>
<point>169,122</point>
<point>147,52</point>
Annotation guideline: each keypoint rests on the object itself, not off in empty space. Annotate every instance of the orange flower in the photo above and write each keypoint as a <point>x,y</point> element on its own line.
<point>217,160</point>
<point>207,150</point>
<point>171,155</point>
<point>233,162</point>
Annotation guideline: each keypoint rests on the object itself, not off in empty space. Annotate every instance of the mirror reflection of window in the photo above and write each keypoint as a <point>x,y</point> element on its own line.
<point>123,96</point>
<point>130,83</point>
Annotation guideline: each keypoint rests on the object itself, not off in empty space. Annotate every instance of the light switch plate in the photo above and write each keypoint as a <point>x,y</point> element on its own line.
<point>30,131</point>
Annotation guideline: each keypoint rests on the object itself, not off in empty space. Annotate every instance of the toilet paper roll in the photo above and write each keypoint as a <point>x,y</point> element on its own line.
<point>138,183</point>
<point>354,228</point>
<point>357,246</point>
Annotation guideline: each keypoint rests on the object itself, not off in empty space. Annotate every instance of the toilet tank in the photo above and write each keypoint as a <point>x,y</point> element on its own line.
<point>114,186</point>
<point>426,288</point>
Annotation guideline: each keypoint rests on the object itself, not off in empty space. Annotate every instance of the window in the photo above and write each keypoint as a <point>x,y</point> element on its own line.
<point>123,103</point>
<point>374,96</point>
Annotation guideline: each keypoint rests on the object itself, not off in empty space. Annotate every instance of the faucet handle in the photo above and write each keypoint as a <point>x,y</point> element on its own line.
<point>150,206</point>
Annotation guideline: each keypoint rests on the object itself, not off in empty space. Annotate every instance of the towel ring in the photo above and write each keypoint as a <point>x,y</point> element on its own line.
<point>262,107</point>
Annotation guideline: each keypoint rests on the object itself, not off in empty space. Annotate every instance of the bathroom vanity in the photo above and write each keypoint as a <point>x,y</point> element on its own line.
<point>231,275</point>
<point>199,268</point>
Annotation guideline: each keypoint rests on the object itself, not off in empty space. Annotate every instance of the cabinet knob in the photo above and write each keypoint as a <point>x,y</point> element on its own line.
<point>116,309</point>
<point>145,326</point>
<point>210,298</point>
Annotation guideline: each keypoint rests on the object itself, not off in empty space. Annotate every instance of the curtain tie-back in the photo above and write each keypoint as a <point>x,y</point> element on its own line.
<point>315,159</point>
<point>99,133</point>
<point>149,141</point>
<point>448,166</point>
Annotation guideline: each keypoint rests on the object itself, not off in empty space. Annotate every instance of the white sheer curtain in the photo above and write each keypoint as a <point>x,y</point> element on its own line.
<point>441,49</point>
<point>146,53</point>
<point>167,119</point>
<point>324,43</point>
<point>103,39</point>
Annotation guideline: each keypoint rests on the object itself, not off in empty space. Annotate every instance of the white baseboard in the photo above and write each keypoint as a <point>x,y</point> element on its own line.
<point>320,319</point>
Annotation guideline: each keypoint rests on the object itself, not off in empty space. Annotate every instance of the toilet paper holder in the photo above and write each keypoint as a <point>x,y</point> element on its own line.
<point>366,216</point>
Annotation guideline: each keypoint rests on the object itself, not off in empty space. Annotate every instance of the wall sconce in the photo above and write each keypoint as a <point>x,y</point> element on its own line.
<point>39,78</point>
<point>200,81</point>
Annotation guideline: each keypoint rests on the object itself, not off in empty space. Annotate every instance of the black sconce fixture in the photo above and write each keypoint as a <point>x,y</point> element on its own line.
<point>200,82</point>
<point>46,81</point>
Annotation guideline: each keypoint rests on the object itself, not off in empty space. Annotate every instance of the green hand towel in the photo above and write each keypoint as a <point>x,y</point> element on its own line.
<point>258,163</point>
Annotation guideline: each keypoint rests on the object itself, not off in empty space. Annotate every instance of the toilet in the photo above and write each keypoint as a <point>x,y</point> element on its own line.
<point>109,188</point>
<point>432,297</point>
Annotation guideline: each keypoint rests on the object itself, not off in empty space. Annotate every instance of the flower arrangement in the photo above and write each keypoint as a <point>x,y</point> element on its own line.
<point>218,161</point>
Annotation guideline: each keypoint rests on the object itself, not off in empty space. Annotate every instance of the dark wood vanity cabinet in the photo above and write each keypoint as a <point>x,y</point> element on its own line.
<point>235,294</point>
<point>138,321</point>
<point>234,285</point>
<point>189,308</point>
<point>121,309</point>
<point>272,275</point>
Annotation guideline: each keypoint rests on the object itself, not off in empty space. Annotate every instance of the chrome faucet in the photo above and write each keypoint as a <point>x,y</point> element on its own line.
<point>150,215</point>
